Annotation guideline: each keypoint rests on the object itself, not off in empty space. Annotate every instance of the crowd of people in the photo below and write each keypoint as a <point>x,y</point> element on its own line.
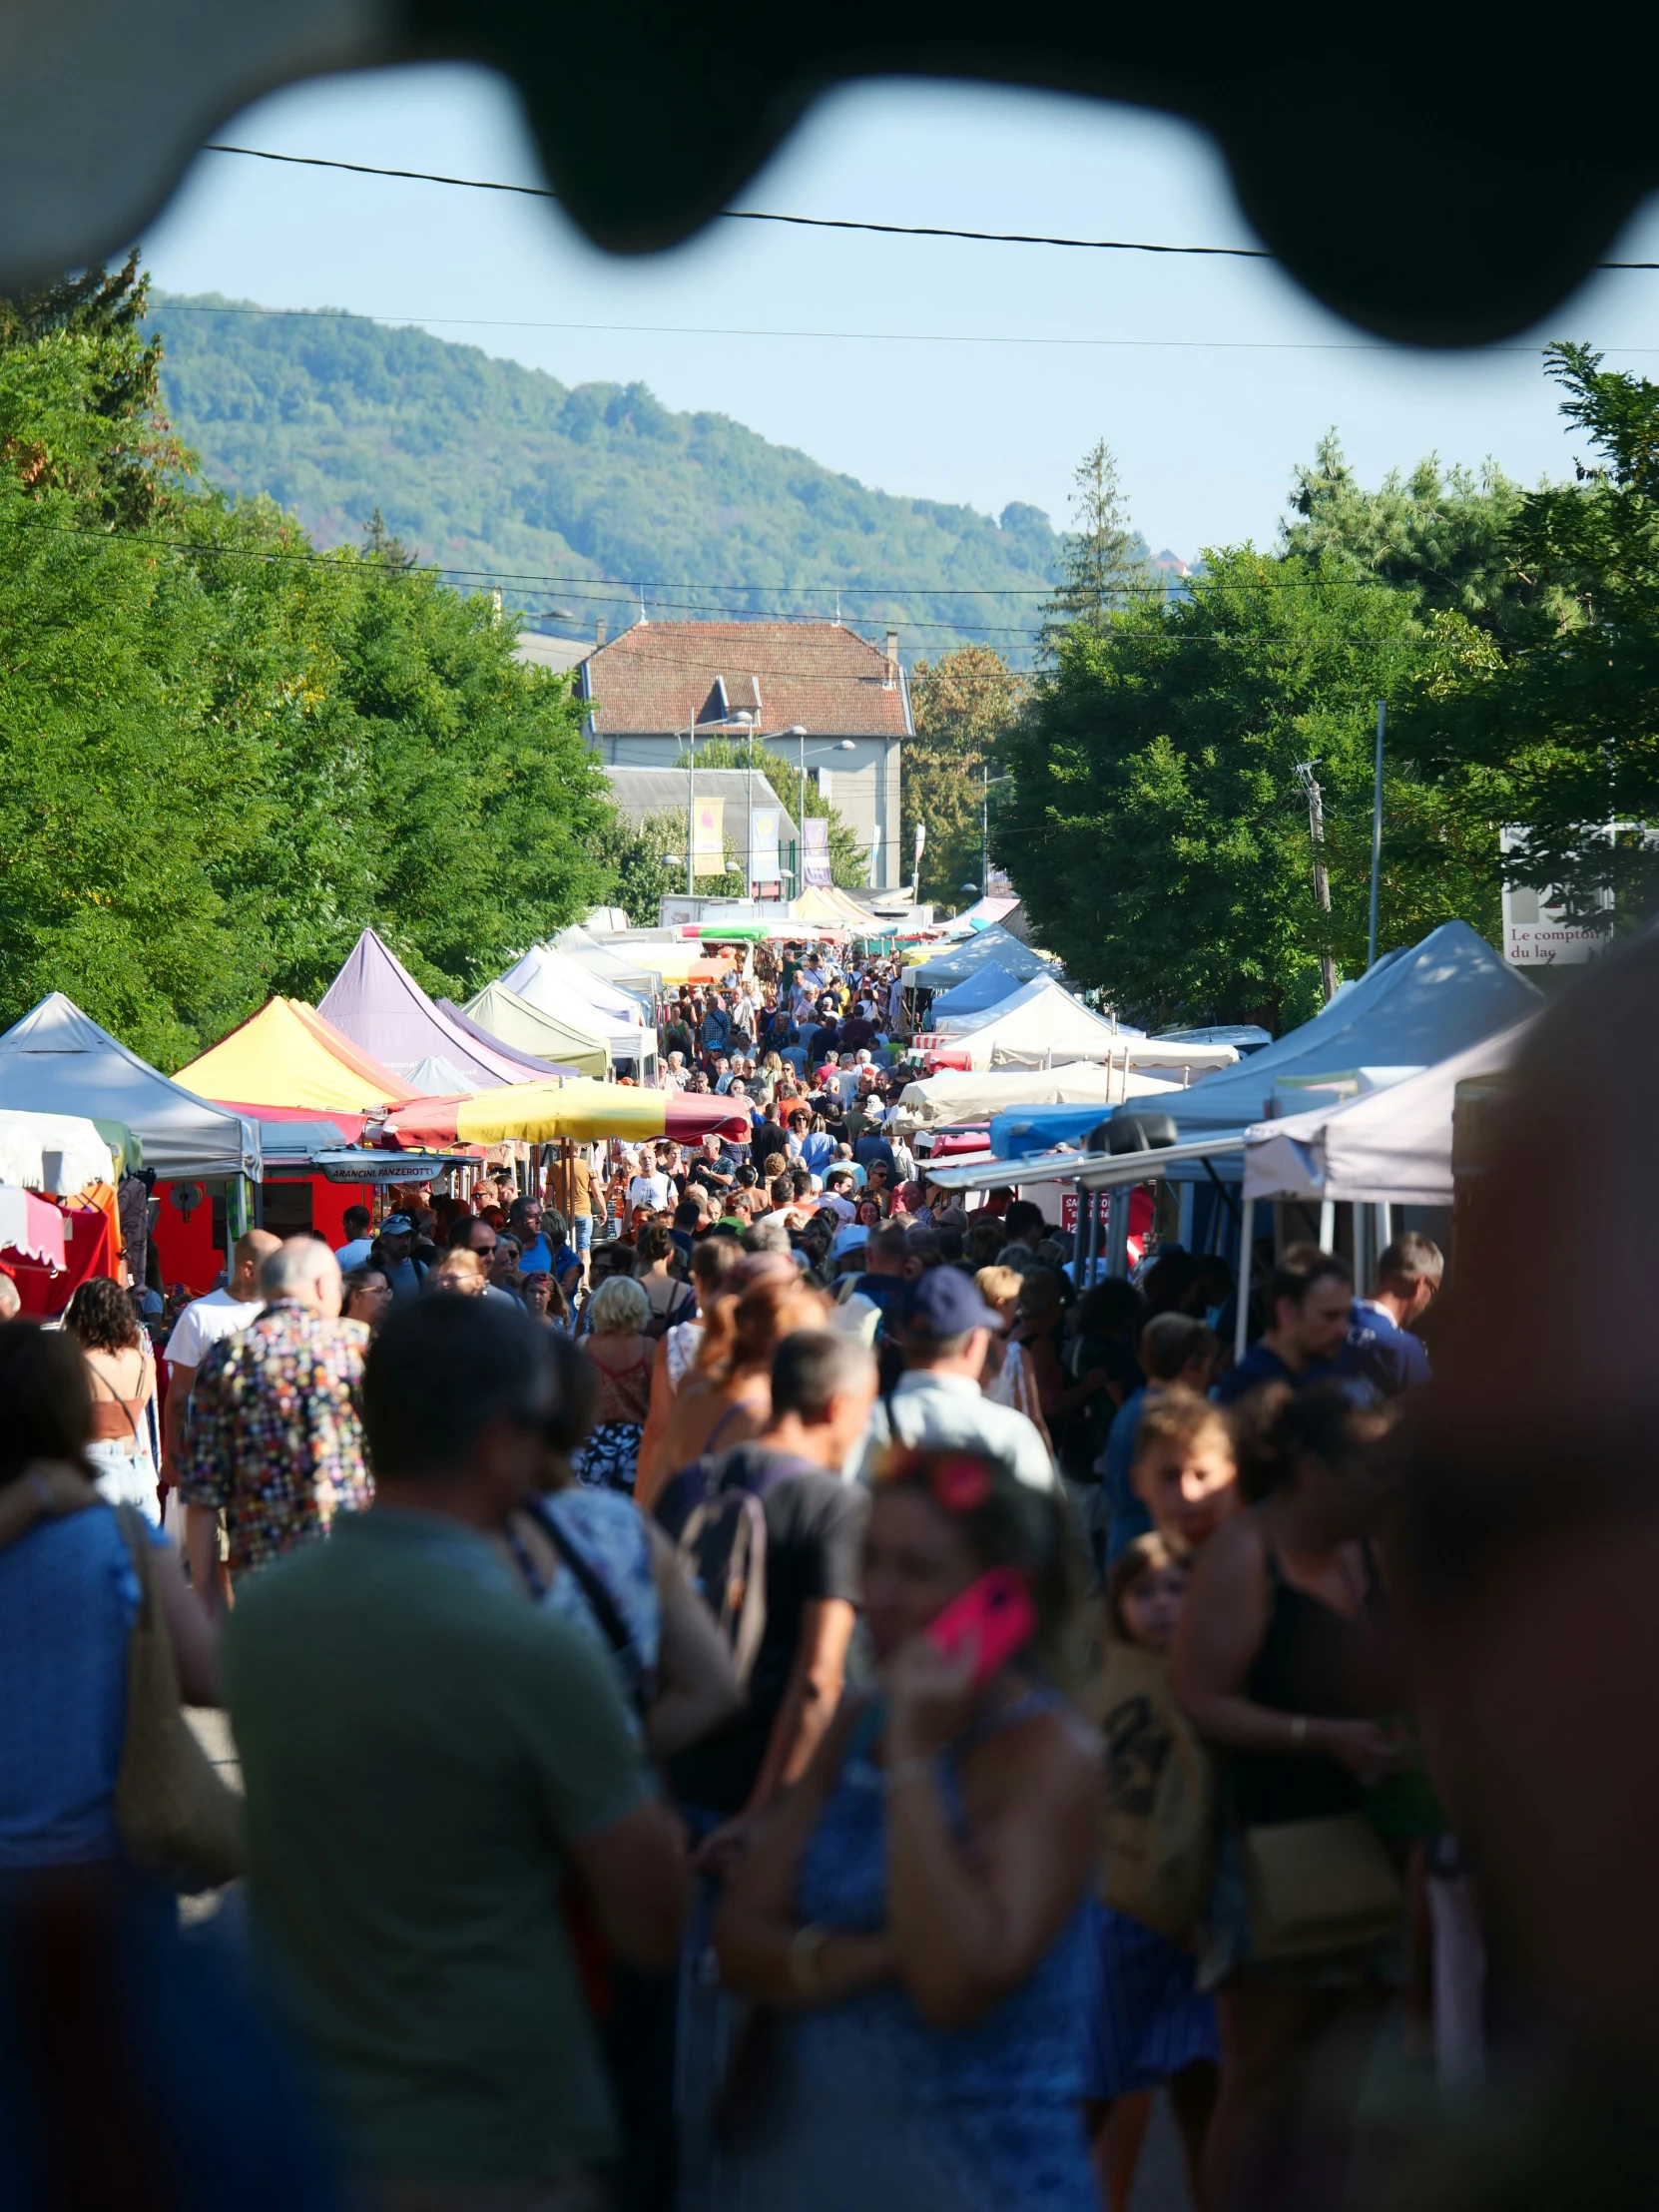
<point>674,1618</point>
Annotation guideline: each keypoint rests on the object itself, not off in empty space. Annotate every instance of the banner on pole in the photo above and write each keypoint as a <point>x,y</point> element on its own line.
<point>875,857</point>
<point>709,837</point>
<point>816,850</point>
<point>764,864</point>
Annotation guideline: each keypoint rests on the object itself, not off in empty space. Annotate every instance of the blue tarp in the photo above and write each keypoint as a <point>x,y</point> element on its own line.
<point>1416,1006</point>
<point>990,985</point>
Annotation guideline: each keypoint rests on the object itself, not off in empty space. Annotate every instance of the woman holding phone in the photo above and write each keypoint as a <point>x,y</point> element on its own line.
<point>911,1919</point>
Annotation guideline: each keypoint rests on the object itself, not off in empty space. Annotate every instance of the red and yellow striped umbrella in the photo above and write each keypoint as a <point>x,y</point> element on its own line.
<point>542,1113</point>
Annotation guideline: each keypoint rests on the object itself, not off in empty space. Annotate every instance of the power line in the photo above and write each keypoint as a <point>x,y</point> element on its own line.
<point>762,214</point>
<point>808,221</point>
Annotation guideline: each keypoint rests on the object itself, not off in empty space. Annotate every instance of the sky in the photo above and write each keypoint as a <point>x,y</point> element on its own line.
<point>932,369</point>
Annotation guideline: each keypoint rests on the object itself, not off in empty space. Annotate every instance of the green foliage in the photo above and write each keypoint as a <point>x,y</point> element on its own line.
<point>1156,828</point>
<point>1440,534</point>
<point>1555,727</point>
<point>486,466</point>
<point>962,704</point>
<point>222,754</point>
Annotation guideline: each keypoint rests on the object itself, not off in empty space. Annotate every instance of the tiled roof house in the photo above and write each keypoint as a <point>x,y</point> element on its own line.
<point>651,688</point>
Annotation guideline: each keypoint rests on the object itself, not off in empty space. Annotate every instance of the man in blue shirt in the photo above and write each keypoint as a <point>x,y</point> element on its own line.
<point>1312,1315</point>
<point>1380,1347</point>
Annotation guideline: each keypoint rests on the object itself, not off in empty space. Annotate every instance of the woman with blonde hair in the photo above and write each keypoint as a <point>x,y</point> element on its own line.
<point>619,1351</point>
<point>727,1396</point>
<point>459,1272</point>
<point>1009,1382</point>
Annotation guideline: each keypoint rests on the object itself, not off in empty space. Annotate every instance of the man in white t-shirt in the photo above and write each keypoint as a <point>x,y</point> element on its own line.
<point>650,1186</point>
<point>201,1326</point>
<point>359,1225</point>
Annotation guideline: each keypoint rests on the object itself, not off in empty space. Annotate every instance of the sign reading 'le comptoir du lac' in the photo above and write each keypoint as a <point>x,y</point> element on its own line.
<point>1537,932</point>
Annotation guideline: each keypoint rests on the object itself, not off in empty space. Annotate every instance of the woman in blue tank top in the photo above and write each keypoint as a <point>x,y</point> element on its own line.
<point>911,1921</point>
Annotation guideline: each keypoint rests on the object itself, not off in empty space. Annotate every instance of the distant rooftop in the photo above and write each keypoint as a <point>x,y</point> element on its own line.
<point>541,651</point>
<point>660,677</point>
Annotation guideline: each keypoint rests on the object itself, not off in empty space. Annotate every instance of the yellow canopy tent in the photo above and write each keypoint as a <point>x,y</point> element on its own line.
<point>524,1027</point>
<point>281,1057</point>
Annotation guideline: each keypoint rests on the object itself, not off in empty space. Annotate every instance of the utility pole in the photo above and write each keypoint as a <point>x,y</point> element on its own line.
<point>1322,883</point>
<point>1377,831</point>
<point>690,809</point>
<point>985,831</point>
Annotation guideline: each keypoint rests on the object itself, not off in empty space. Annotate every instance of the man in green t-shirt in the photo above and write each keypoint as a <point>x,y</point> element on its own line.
<point>436,1768</point>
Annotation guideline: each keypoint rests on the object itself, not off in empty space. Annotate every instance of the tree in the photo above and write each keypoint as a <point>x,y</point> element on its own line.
<point>1553,728</point>
<point>1103,562</point>
<point>1156,828</point>
<point>962,704</point>
<point>1440,534</point>
<point>220,753</point>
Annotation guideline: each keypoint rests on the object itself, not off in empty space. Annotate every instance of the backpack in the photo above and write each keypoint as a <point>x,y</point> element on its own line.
<point>723,1549</point>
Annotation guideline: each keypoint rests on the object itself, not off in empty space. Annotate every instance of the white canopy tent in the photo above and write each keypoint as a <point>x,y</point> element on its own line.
<point>1412,1009</point>
<point>1041,1023</point>
<point>59,1152</point>
<point>57,1060</point>
<point>545,980</point>
<point>610,963</point>
<point>1390,1147</point>
<point>964,1095</point>
<point>594,990</point>
<point>954,964</point>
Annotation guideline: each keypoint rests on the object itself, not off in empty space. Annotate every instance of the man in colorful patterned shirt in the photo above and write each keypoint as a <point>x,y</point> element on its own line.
<point>273,1438</point>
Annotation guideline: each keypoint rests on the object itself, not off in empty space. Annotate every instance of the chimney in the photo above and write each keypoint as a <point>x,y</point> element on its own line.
<point>892,659</point>
<point>599,633</point>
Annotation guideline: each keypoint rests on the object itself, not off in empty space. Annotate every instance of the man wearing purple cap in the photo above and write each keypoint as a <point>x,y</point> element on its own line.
<point>944,1326</point>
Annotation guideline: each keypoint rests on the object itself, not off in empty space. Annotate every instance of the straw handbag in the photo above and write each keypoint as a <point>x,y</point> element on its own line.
<point>174,1816</point>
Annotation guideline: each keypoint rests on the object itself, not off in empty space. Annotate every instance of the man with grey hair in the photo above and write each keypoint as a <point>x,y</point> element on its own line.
<point>273,1436</point>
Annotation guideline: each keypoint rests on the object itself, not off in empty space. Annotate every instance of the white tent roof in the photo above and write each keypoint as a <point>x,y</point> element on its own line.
<point>609,962</point>
<point>1414,1008</point>
<point>556,986</point>
<point>1391,1146</point>
<point>968,1096</point>
<point>57,1060</point>
<point>1043,1022</point>
<point>955,963</point>
<point>592,989</point>
<point>60,1153</point>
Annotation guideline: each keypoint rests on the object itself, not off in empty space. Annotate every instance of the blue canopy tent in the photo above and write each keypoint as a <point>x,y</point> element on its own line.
<point>1416,1006</point>
<point>989,987</point>
<point>955,963</point>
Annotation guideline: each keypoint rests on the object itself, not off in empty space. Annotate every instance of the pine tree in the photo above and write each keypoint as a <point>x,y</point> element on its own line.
<point>1103,560</point>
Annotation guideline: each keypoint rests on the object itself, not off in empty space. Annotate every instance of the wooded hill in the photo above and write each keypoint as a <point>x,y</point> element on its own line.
<point>507,477</point>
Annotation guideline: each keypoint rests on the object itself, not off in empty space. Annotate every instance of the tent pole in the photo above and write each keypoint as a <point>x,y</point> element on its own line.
<point>1327,1225</point>
<point>1247,1242</point>
<point>240,1201</point>
<point>1385,1227</point>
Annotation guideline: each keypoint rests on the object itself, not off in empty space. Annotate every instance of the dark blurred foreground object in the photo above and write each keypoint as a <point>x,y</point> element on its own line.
<point>1419,217</point>
<point>133,2074</point>
<point>1530,1562</point>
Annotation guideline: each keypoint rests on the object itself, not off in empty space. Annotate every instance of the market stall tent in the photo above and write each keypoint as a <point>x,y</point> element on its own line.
<point>538,978</point>
<point>544,960</point>
<point>992,983</point>
<point>954,964</point>
<point>59,1152</point>
<point>379,1005</point>
<point>1414,1008</point>
<point>1386,1147</point>
<point>502,1014</point>
<point>609,962</point>
<point>58,1061</point>
<point>974,1097</point>
<point>536,1063</point>
<point>278,1058</point>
